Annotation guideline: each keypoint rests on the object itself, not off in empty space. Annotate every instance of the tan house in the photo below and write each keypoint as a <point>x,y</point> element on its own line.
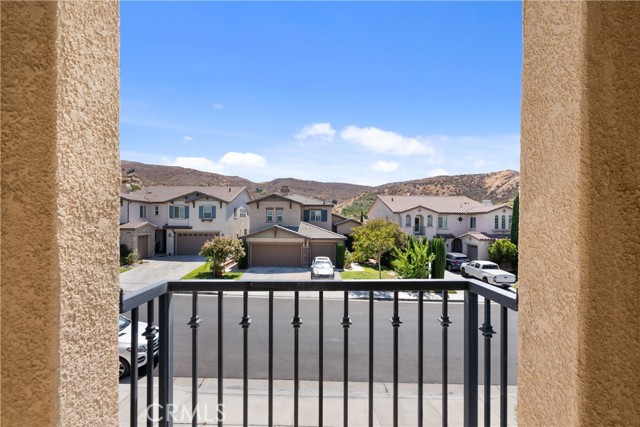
<point>177,220</point>
<point>343,225</point>
<point>467,226</point>
<point>289,230</point>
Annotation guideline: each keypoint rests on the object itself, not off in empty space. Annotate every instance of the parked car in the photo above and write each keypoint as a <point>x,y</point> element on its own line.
<point>488,272</point>
<point>124,346</point>
<point>454,260</point>
<point>322,268</point>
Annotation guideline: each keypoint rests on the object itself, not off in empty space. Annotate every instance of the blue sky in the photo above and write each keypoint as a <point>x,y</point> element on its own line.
<point>359,92</point>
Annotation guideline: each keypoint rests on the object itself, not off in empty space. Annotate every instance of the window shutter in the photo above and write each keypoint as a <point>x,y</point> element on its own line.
<point>201,212</point>
<point>324,215</point>
<point>186,212</point>
<point>213,212</point>
<point>306,215</point>
<point>170,211</point>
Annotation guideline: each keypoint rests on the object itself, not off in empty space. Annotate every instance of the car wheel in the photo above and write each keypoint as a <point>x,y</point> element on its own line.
<point>484,279</point>
<point>449,267</point>
<point>125,368</point>
<point>462,273</point>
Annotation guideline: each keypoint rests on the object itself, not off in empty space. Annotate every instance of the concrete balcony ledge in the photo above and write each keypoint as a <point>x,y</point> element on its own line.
<point>283,402</point>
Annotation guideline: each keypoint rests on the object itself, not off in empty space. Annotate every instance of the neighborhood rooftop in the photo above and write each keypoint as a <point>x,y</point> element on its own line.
<point>162,193</point>
<point>303,200</point>
<point>440,204</point>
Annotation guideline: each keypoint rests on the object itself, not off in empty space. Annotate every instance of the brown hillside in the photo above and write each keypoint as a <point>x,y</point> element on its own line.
<point>499,186</point>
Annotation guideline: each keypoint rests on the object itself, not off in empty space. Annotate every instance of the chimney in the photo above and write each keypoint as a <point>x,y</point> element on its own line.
<point>487,202</point>
<point>284,190</point>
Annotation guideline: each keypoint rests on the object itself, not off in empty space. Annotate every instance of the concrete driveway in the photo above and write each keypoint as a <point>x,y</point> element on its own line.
<point>159,269</point>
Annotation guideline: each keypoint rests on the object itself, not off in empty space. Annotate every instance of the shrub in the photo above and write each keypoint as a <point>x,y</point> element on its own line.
<point>243,262</point>
<point>124,252</point>
<point>221,249</point>
<point>348,259</point>
<point>504,251</point>
<point>439,262</point>
<point>414,261</point>
<point>340,251</point>
<point>132,258</point>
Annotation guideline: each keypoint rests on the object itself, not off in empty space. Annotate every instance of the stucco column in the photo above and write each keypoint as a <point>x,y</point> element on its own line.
<point>59,225</point>
<point>580,215</point>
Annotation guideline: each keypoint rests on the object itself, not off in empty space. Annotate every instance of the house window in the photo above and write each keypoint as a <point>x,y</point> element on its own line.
<point>179,212</point>
<point>245,231</point>
<point>243,212</point>
<point>235,212</point>
<point>429,221</point>
<point>269,215</point>
<point>509,222</point>
<point>497,220</point>
<point>504,222</point>
<point>156,210</point>
<point>143,211</point>
<point>407,221</point>
<point>207,212</point>
<point>472,222</point>
<point>443,222</point>
<point>315,215</point>
<point>279,215</point>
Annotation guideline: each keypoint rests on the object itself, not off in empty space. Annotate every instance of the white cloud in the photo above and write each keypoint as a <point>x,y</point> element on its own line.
<point>386,142</point>
<point>384,166</point>
<point>438,172</point>
<point>217,106</point>
<point>231,163</point>
<point>317,131</point>
<point>243,160</point>
<point>479,163</point>
<point>198,163</point>
<point>187,138</point>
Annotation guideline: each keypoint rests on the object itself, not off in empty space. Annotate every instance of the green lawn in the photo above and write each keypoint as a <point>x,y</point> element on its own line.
<point>123,269</point>
<point>204,272</point>
<point>368,273</point>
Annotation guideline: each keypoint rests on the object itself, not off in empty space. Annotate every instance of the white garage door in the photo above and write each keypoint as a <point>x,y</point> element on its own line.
<point>191,243</point>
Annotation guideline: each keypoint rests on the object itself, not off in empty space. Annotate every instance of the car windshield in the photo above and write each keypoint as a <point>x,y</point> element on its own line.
<point>124,322</point>
<point>490,267</point>
<point>322,264</point>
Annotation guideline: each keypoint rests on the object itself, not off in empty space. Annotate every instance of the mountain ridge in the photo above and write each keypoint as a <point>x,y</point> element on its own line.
<point>499,187</point>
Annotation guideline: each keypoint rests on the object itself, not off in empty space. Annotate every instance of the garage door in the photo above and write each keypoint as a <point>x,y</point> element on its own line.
<point>191,243</point>
<point>324,250</point>
<point>276,255</point>
<point>143,246</point>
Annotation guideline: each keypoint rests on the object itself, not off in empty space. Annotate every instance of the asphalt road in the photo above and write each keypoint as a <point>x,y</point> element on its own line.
<point>333,340</point>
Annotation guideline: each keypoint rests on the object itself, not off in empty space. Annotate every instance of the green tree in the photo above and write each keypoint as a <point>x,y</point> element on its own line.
<point>414,261</point>
<point>439,261</point>
<point>375,238</point>
<point>221,249</point>
<point>340,251</point>
<point>503,251</point>
<point>515,220</point>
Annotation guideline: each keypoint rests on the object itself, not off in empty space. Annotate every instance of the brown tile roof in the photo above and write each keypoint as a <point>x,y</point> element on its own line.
<point>165,193</point>
<point>439,204</point>
<point>305,229</point>
<point>135,225</point>
<point>485,236</point>
<point>302,200</point>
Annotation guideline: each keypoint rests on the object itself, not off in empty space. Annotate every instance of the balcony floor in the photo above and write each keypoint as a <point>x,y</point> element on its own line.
<point>308,403</point>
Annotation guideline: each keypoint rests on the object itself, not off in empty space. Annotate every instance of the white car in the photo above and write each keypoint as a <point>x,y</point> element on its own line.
<point>322,268</point>
<point>124,345</point>
<point>488,272</point>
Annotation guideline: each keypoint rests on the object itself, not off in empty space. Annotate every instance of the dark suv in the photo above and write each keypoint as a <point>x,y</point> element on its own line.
<point>454,260</point>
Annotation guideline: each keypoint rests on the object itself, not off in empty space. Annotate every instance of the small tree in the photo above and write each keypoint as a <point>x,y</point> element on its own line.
<point>414,261</point>
<point>439,262</point>
<point>375,238</point>
<point>221,249</point>
<point>503,251</point>
<point>340,251</point>
<point>515,219</point>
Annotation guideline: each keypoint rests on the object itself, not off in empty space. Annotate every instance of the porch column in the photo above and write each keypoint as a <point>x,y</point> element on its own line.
<point>580,215</point>
<point>59,201</point>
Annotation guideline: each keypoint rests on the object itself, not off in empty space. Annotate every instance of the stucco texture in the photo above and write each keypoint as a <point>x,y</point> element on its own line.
<point>60,182</point>
<point>579,215</point>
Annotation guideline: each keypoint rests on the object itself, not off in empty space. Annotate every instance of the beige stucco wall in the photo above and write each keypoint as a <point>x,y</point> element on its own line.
<point>60,169</point>
<point>580,215</point>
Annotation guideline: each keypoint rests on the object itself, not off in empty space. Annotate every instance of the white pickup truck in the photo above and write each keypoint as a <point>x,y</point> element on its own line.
<point>488,272</point>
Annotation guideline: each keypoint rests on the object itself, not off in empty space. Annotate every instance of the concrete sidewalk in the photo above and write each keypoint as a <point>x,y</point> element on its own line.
<point>283,403</point>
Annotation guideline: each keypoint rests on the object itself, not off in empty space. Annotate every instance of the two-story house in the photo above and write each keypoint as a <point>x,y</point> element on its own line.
<point>290,230</point>
<point>177,220</point>
<point>466,225</point>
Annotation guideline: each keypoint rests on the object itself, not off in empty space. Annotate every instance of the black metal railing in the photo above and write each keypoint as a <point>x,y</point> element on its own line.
<point>164,292</point>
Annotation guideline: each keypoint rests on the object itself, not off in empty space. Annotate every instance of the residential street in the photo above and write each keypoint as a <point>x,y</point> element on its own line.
<point>333,340</point>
